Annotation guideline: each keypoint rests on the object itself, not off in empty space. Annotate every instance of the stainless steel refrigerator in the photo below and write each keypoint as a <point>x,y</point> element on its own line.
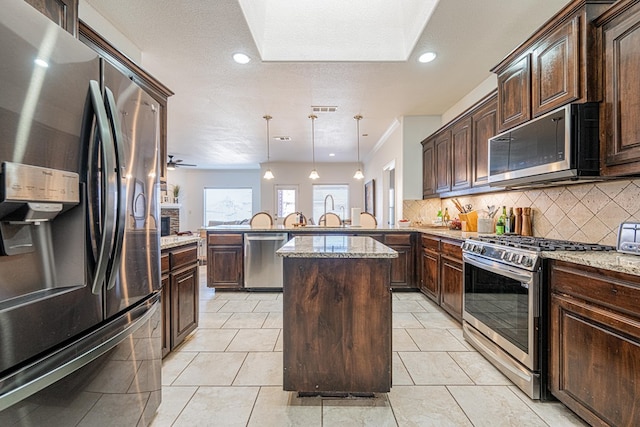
<point>80,323</point>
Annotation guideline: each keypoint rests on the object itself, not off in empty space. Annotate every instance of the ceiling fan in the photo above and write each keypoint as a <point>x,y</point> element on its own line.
<point>172,164</point>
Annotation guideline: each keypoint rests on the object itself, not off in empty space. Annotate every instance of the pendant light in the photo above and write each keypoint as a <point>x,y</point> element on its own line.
<point>268,174</point>
<point>314,172</point>
<point>358,174</point>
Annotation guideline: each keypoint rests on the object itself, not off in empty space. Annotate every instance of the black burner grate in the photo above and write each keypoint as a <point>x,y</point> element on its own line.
<point>543,244</point>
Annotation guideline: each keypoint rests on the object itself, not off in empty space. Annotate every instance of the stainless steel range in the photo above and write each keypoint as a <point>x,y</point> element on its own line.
<point>505,314</point>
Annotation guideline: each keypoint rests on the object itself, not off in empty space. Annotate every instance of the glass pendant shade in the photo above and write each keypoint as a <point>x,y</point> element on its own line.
<point>358,174</point>
<point>314,174</point>
<point>268,174</point>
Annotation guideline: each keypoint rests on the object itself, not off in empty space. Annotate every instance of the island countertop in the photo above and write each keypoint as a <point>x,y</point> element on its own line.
<point>335,247</point>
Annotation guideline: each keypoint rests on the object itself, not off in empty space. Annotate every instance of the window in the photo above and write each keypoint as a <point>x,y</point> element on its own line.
<point>286,200</point>
<point>340,194</point>
<point>227,204</point>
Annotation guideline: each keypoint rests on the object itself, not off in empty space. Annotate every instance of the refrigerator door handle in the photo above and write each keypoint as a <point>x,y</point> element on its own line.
<point>121,209</point>
<point>110,202</point>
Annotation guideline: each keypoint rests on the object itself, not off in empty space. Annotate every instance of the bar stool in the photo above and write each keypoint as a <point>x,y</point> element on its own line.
<point>261,219</point>
<point>367,220</point>
<point>294,218</point>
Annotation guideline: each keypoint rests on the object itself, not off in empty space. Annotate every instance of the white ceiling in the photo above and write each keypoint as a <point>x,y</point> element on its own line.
<point>215,116</point>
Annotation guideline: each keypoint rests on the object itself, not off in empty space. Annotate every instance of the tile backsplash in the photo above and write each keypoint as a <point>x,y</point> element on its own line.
<point>581,212</point>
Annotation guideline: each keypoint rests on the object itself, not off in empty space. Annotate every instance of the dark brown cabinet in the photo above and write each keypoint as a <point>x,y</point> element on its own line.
<point>441,273</point>
<point>620,112</point>
<point>225,265</point>
<point>514,92</point>
<point>555,69</point>
<point>403,267</point>
<point>430,268</point>
<point>62,12</point>
<point>557,65</point>
<point>443,161</point>
<point>461,154</point>
<point>451,291</point>
<point>184,303</point>
<point>428,168</point>
<point>595,343</point>
<point>484,122</point>
<point>180,294</point>
<point>455,158</point>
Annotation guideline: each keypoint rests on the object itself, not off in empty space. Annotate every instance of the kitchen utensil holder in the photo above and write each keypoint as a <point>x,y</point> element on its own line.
<point>485,225</point>
<point>469,221</point>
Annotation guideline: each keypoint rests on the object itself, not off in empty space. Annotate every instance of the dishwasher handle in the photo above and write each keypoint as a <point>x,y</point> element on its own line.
<point>266,236</point>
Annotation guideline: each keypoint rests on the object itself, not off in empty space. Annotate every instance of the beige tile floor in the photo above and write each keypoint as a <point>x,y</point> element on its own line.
<point>229,373</point>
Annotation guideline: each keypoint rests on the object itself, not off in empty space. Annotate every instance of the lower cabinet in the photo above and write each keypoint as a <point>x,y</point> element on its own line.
<point>594,365</point>
<point>451,279</point>
<point>430,268</point>
<point>403,267</point>
<point>225,262</point>
<point>441,273</point>
<point>180,294</point>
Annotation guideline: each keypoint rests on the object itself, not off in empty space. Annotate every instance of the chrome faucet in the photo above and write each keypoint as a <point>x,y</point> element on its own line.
<point>325,207</point>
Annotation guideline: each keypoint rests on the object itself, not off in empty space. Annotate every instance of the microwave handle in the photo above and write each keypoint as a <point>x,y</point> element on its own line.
<point>497,268</point>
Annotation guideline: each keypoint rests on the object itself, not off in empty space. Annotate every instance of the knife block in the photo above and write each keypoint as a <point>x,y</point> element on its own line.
<point>469,220</point>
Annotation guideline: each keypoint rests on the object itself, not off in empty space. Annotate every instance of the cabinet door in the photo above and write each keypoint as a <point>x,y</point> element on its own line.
<point>451,286</point>
<point>514,94</point>
<point>430,284</point>
<point>594,362</point>
<point>461,153</point>
<point>402,267</point>
<point>621,119</point>
<point>443,161</point>
<point>184,303</point>
<point>225,267</point>
<point>166,315</point>
<point>485,126</point>
<point>555,69</point>
<point>62,12</point>
<point>428,169</point>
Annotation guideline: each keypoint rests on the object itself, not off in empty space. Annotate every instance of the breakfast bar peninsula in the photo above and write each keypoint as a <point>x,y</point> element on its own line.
<point>337,315</point>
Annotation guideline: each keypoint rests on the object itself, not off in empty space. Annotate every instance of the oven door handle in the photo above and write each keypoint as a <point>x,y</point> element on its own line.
<point>497,268</point>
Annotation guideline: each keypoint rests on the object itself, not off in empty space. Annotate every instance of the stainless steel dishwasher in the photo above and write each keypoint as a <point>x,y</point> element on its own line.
<point>262,267</point>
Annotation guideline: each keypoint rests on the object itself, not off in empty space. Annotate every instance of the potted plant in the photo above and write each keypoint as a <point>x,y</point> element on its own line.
<point>176,193</point>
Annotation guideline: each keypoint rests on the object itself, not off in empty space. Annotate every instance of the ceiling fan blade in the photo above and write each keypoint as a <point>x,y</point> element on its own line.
<point>185,164</point>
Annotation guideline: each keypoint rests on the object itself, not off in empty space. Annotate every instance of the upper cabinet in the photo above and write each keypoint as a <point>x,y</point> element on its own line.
<point>454,159</point>
<point>559,64</point>
<point>428,168</point>
<point>62,12</point>
<point>484,124</point>
<point>514,93</point>
<point>620,112</point>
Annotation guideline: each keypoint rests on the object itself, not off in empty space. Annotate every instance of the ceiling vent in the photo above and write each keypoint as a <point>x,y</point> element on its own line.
<point>282,138</point>
<point>324,108</point>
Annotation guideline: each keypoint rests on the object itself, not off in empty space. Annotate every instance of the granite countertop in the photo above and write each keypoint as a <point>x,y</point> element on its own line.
<point>614,261</point>
<point>436,231</point>
<point>168,242</point>
<point>335,247</point>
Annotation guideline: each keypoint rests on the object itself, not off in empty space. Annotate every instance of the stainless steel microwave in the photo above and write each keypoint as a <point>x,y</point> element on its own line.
<point>561,145</point>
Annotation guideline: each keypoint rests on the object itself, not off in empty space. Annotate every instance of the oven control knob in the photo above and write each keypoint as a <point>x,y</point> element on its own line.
<point>478,249</point>
<point>510,257</point>
<point>519,259</point>
<point>526,261</point>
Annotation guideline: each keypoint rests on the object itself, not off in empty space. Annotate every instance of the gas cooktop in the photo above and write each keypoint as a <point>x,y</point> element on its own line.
<point>542,244</point>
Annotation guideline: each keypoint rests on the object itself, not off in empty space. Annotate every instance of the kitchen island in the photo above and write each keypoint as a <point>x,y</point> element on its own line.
<point>337,315</point>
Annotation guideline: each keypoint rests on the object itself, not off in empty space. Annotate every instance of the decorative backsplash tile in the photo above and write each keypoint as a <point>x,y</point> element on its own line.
<point>581,212</point>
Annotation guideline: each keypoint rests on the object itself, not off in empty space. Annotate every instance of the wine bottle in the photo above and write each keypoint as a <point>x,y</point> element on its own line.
<point>511,221</point>
<point>446,216</point>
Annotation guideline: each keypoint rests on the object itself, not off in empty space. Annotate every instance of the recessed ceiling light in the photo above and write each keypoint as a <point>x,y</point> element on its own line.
<point>241,58</point>
<point>332,154</point>
<point>41,63</point>
<point>282,138</point>
<point>427,57</point>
